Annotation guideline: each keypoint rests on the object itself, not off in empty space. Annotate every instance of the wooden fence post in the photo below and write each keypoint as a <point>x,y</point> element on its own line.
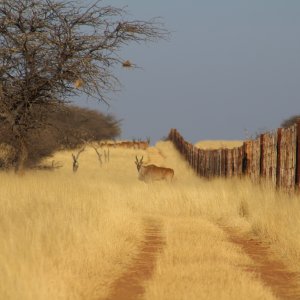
<point>226,162</point>
<point>297,179</point>
<point>262,157</point>
<point>244,159</point>
<point>278,166</point>
<point>240,161</point>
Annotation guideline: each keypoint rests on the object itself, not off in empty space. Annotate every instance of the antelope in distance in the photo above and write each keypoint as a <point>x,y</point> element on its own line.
<point>75,160</point>
<point>152,172</point>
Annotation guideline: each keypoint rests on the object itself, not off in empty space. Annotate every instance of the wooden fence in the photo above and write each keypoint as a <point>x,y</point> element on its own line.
<point>274,156</point>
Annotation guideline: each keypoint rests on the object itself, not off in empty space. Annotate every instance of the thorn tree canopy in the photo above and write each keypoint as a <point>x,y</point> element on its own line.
<point>51,50</point>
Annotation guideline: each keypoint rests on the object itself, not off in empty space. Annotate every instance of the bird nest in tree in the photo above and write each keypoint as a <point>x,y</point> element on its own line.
<point>78,83</point>
<point>131,28</point>
<point>127,64</point>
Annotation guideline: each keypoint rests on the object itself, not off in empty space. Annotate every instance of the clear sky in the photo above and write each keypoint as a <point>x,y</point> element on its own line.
<point>228,66</point>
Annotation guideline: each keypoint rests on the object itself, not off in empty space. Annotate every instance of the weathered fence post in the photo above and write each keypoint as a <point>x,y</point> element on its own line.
<point>287,158</point>
<point>262,156</point>
<point>297,179</point>
<point>278,166</point>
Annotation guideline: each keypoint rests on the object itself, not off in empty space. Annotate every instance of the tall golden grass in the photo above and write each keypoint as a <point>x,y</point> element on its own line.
<point>70,236</point>
<point>64,235</point>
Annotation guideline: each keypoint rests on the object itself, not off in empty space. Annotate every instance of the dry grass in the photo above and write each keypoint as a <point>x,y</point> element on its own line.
<point>66,236</point>
<point>260,209</point>
<point>199,263</point>
<point>218,144</point>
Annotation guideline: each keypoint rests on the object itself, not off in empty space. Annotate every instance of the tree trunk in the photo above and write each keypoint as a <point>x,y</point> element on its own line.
<point>22,157</point>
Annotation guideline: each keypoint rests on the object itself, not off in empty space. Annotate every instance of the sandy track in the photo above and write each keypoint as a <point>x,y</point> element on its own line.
<point>130,286</point>
<point>271,271</point>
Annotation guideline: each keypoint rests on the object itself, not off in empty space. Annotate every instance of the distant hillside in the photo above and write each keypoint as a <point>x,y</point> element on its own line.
<point>216,144</point>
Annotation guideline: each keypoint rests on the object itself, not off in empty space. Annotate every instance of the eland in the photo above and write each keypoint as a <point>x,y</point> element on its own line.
<point>152,172</point>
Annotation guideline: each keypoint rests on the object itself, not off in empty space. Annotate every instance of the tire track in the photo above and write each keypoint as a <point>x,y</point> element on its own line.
<point>284,283</point>
<point>130,286</point>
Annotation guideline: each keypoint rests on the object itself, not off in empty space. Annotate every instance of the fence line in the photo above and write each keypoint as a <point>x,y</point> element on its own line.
<point>274,156</point>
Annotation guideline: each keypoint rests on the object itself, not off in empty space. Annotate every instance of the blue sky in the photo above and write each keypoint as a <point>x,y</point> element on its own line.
<point>228,66</point>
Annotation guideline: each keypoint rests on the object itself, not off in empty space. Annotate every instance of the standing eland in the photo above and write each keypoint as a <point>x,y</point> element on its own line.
<point>152,172</point>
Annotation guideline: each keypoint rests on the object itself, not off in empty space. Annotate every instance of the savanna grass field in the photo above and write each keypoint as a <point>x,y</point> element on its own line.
<point>71,236</point>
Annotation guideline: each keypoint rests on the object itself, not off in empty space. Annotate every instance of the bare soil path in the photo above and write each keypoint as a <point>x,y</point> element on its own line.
<point>130,286</point>
<point>284,284</point>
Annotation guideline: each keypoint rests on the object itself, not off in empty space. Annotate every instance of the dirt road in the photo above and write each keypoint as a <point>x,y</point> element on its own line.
<point>271,271</point>
<point>130,285</point>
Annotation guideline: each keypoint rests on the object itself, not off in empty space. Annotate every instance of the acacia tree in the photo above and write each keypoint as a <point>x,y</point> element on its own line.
<point>51,50</point>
